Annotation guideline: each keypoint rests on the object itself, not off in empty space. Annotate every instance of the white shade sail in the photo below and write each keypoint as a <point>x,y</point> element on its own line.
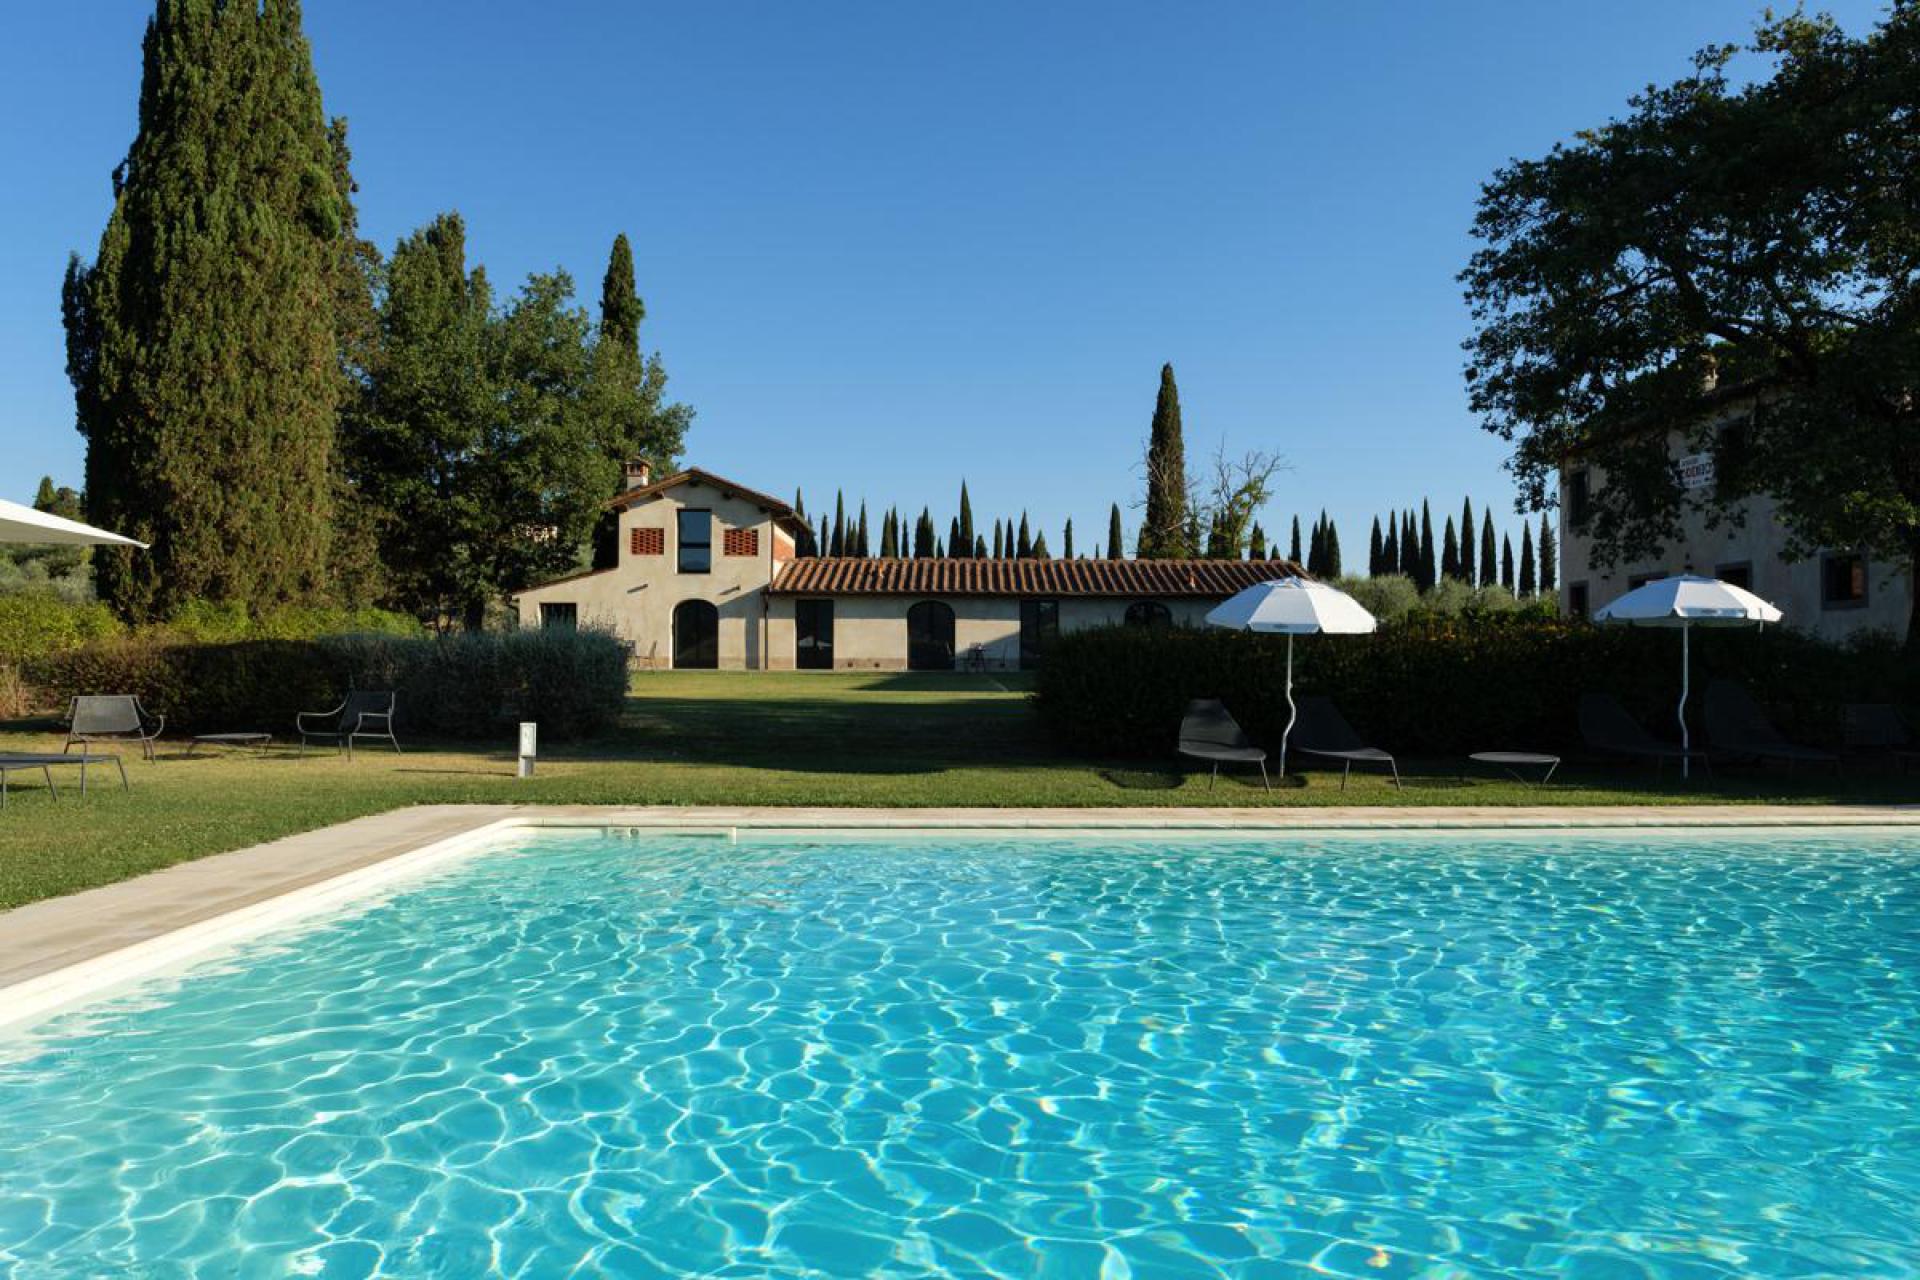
<point>26,524</point>
<point>1688,600</point>
<point>1293,607</point>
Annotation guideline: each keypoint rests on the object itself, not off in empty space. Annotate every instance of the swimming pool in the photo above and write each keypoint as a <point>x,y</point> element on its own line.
<point>1423,1055</point>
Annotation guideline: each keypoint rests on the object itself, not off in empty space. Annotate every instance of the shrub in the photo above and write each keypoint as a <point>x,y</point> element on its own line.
<point>38,622</point>
<point>573,683</point>
<point>1446,686</point>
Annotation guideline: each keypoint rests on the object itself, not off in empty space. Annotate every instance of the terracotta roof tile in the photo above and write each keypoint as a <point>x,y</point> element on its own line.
<point>1137,579</point>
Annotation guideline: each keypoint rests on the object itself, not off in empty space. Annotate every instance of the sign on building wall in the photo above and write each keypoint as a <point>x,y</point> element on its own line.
<point>1696,471</point>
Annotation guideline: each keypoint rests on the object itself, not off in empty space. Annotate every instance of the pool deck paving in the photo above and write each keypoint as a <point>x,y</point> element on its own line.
<point>42,940</point>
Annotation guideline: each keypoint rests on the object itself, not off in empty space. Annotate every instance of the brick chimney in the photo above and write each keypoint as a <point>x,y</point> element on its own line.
<point>639,473</point>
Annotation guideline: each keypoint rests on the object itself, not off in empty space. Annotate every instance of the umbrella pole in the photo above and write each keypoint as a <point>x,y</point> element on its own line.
<point>1291,711</point>
<point>1686,667</point>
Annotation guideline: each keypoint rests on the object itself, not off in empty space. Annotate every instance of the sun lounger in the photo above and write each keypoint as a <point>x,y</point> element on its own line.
<point>111,718</point>
<point>1605,725</point>
<point>45,762</point>
<point>1320,730</point>
<point>1737,726</point>
<point>1208,732</point>
<point>362,713</point>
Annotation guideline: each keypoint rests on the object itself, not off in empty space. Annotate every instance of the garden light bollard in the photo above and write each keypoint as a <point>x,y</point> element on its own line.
<point>529,747</point>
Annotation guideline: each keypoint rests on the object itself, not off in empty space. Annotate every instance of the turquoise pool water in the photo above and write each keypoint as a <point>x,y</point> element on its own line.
<point>1423,1056</point>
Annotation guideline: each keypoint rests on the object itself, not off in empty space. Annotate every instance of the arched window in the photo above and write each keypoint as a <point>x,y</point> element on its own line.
<point>696,636</point>
<point>1149,613</point>
<point>930,636</point>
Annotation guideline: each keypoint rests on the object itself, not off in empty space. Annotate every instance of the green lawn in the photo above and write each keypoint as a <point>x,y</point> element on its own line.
<point>729,738</point>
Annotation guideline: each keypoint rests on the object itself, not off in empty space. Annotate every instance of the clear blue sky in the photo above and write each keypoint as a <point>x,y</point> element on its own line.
<point>886,245</point>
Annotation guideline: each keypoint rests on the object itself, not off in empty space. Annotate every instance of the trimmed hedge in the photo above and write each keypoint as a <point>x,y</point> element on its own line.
<point>573,683</point>
<point>1447,687</point>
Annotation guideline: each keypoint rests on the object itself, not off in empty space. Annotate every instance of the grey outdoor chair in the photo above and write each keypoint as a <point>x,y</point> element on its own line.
<point>1605,725</point>
<point>117,717</point>
<point>1737,726</point>
<point>1875,728</point>
<point>1208,732</point>
<point>1320,730</point>
<point>362,714</point>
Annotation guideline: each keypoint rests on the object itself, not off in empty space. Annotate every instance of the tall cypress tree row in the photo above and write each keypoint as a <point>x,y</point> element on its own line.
<point>202,341</point>
<point>1167,532</point>
<point>1469,574</point>
<point>1486,549</point>
<point>1526,561</point>
<point>1549,557</point>
<point>1116,539</point>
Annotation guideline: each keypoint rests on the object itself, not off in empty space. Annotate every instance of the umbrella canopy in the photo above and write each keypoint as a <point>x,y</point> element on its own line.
<point>1687,601</point>
<point>1292,607</point>
<point>25,524</point>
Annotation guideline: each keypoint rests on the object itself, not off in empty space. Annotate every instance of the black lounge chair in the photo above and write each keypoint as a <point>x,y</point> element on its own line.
<point>1320,730</point>
<point>1605,725</point>
<point>115,717</point>
<point>1875,728</point>
<point>1208,732</point>
<point>1737,726</point>
<point>363,714</point>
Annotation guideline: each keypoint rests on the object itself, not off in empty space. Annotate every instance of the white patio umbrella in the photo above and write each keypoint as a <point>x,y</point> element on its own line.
<point>26,524</point>
<point>1292,607</point>
<point>1687,601</point>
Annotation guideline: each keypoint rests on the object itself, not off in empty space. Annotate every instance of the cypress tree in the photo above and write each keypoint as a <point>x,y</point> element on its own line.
<point>861,547</point>
<point>1549,557</point>
<point>923,535</point>
<point>1040,547</point>
<point>1330,552</point>
<point>1167,531</point>
<point>1409,546</point>
<point>963,540</point>
<point>801,550</point>
<point>999,547</point>
<point>1469,573</point>
<point>204,342</point>
<point>1317,550</point>
<point>1425,564</point>
<point>1376,550</point>
<point>1390,547</point>
<point>1506,562</point>
<point>621,310</point>
<point>889,537</point>
<point>1293,548</point>
<point>1066,540</point>
<point>1116,540</point>
<point>956,548</point>
<point>1486,549</point>
<point>1257,543</point>
<point>822,540</point>
<point>979,547</point>
<point>838,547</point>
<point>1023,548</point>
<point>1526,561</point>
<point>1449,552</point>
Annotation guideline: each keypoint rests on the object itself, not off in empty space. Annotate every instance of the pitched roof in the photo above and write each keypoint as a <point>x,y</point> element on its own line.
<point>1134,579</point>
<point>727,488</point>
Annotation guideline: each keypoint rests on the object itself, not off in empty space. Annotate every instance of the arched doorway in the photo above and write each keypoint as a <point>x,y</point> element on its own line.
<point>696,636</point>
<point>930,636</point>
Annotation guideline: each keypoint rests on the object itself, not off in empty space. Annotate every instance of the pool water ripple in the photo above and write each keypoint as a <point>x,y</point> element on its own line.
<point>1400,1057</point>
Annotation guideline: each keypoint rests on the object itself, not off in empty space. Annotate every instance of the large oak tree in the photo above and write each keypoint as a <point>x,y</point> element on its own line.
<point>1742,245</point>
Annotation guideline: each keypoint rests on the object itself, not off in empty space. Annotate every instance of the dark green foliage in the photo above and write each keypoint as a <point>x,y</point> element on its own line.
<point>1745,240</point>
<point>1443,687</point>
<point>1330,550</point>
<point>1526,588</point>
<point>1390,549</point>
<point>1550,557</point>
<point>201,343</point>
<point>467,685</point>
<point>1506,563</point>
<point>1116,536</point>
<point>838,544</point>
<point>1168,531</point>
<point>889,537</point>
<point>1423,568</point>
<point>979,547</point>
<point>1293,547</point>
<point>1316,549</point>
<point>957,548</point>
<point>923,535</point>
<point>1039,550</point>
<point>621,310</point>
<point>861,547</point>
<point>1488,568</point>
<point>1376,551</point>
<point>963,538</point>
<point>1449,552</point>
<point>1023,547</point>
<point>1469,574</point>
<point>1257,543</point>
<point>1066,541</point>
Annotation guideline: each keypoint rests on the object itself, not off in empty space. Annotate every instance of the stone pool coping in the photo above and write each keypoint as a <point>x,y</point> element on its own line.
<point>62,951</point>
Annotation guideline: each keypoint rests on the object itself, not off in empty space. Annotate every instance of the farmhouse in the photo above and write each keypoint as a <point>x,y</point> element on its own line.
<point>709,576</point>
